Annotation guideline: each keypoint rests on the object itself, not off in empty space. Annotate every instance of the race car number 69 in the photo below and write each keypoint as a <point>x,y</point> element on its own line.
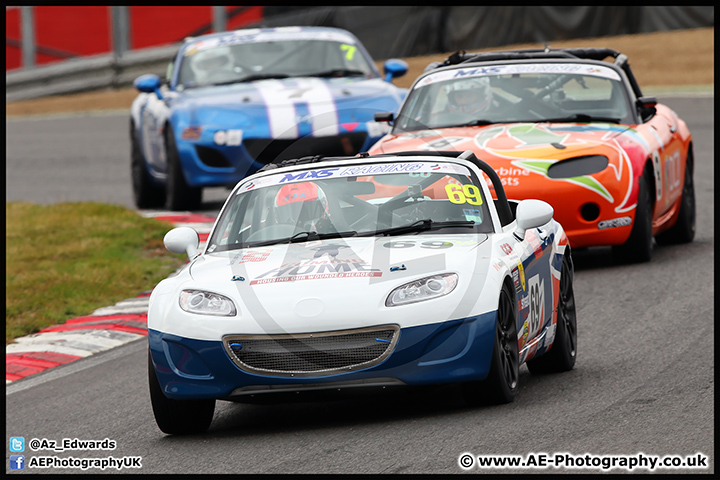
<point>465,194</point>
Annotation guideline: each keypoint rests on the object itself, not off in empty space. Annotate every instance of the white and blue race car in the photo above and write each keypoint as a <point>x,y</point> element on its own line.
<point>235,101</point>
<point>368,271</point>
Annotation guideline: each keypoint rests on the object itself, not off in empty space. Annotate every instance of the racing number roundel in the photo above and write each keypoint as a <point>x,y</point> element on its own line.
<point>537,304</point>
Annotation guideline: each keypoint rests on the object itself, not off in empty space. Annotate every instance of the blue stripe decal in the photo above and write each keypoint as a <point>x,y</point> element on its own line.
<point>303,119</point>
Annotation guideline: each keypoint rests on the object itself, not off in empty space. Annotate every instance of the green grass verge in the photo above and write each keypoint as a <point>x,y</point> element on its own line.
<point>69,259</point>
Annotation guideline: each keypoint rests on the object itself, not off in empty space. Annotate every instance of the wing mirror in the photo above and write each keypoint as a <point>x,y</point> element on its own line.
<point>646,107</point>
<point>149,83</point>
<point>531,214</point>
<point>384,117</point>
<point>394,68</point>
<point>182,240</point>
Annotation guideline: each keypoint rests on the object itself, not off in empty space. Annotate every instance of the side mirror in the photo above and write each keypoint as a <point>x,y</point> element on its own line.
<point>394,68</point>
<point>182,240</point>
<point>384,117</point>
<point>149,83</point>
<point>646,107</point>
<point>531,214</point>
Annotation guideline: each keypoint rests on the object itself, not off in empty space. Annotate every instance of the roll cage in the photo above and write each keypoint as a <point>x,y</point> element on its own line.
<point>597,54</point>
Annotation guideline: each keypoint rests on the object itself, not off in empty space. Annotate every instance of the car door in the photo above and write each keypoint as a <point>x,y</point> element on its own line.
<point>535,288</point>
<point>667,159</point>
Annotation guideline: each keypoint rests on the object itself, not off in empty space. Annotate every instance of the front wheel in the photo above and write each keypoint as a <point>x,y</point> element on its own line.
<point>562,354</point>
<point>178,417</point>
<point>684,229</point>
<point>638,248</point>
<point>501,384</point>
<point>145,193</point>
<point>179,195</point>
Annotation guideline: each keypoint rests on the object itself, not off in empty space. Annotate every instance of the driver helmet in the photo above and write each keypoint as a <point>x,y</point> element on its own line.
<point>469,95</point>
<point>302,204</point>
<point>215,63</point>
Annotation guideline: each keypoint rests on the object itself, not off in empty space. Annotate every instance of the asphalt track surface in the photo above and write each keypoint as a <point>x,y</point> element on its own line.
<point>643,382</point>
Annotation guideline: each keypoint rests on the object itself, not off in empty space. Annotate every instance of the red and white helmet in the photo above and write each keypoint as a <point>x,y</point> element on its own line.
<point>469,95</point>
<point>303,204</point>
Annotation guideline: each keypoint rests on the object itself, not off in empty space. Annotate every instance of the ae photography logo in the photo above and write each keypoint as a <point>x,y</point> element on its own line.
<point>20,462</point>
<point>17,444</point>
<point>17,462</point>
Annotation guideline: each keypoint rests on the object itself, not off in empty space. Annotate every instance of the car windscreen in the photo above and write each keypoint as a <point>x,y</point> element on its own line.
<point>239,59</point>
<point>538,92</point>
<point>379,199</point>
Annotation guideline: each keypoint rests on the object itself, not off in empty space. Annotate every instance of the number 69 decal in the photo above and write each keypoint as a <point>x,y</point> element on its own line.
<point>463,194</point>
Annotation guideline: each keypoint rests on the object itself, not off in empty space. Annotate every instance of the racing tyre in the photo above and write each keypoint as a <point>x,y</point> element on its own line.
<point>501,384</point>
<point>638,248</point>
<point>178,417</point>
<point>562,354</point>
<point>684,229</point>
<point>179,195</point>
<point>145,193</point>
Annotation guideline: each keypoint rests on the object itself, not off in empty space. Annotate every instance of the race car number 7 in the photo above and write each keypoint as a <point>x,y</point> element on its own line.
<point>349,50</point>
<point>465,194</point>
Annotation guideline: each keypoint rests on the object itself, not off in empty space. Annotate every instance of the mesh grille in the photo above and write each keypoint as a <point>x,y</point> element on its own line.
<point>311,354</point>
<point>212,157</point>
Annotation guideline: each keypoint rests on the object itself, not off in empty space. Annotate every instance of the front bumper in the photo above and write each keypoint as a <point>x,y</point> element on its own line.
<point>447,352</point>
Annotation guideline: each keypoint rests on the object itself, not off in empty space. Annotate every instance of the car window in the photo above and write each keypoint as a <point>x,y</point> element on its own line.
<point>353,200</point>
<point>239,61</point>
<point>515,93</point>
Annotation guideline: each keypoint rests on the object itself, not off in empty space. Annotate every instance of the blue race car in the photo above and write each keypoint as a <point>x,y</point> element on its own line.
<point>235,101</point>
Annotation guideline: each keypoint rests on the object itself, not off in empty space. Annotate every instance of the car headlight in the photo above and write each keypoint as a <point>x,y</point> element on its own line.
<point>578,166</point>
<point>423,289</point>
<point>207,303</point>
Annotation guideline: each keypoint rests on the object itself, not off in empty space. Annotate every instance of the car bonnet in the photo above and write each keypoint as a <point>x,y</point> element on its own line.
<point>346,277</point>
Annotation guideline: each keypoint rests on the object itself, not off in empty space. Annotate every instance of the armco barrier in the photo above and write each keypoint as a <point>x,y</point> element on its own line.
<point>386,32</point>
<point>88,73</point>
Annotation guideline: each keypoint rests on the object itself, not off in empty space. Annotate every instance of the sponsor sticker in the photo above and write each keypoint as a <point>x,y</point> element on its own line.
<point>472,215</point>
<point>234,137</point>
<point>371,169</point>
<point>276,35</point>
<point>318,270</point>
<point>537,304</point>
<point>615,222</point>
<point>521,68</point>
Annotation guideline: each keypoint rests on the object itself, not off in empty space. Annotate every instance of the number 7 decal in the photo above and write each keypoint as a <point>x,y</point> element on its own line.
<point>349,50</point>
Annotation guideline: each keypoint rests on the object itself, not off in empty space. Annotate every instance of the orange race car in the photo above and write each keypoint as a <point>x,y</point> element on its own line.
<point>567,127</point>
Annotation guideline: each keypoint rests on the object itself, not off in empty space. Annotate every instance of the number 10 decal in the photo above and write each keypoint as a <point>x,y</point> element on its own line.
<point>465,194</point>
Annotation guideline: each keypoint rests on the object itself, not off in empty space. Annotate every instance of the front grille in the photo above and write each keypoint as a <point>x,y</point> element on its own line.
<point>266,150</point>
<point>311,354</point>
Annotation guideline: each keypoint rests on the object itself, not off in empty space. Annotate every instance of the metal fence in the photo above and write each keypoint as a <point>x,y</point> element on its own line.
<point>385,31</point>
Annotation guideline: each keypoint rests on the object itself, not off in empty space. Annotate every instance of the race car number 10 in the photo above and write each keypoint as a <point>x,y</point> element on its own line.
<point>465,194</point>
